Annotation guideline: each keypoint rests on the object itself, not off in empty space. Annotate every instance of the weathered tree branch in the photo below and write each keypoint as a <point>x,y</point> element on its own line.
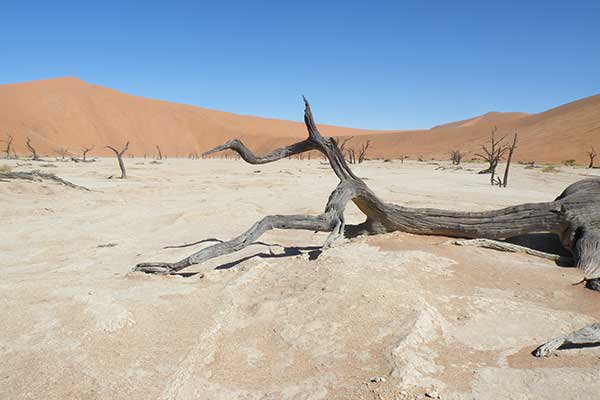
<point>9,140</point>
<point>592,154</point>
<point>34,154</point>
<point>119,155</point>
<point>86,150</point>
<point>589,335</point>
<point>511,150</point>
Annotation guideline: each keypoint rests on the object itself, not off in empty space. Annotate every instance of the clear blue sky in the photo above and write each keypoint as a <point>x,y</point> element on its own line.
<point>369,64</point>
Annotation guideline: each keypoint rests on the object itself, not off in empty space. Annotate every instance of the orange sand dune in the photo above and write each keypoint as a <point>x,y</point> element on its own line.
<point>68,112</point>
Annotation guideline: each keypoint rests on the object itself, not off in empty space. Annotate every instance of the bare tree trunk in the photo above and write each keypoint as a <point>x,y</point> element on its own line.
<point>493,155</point>
<point>9,140</point>
<point>592,154</point>
<point>85,151</point>
<point>119,155</point>
<point>34,155</point>
<point>510,154</point>
<point>159,153</point>
<point>363,152</point>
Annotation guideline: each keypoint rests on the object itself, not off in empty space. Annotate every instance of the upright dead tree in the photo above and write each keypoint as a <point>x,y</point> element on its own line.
<point>63,152</point>
<point>86,150</point>
<point>351,155</point>
<point>119,155</point>
<point>592,154</point>
<point>511,150</point>
<point>34,154</point>
<point>8,141</point>
<point>456,157</point>
<point>363,152</point>
<point>159,155</point>
<point>493,155</point>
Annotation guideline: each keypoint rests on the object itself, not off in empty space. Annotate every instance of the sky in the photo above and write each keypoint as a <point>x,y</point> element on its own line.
<point>364,64</point>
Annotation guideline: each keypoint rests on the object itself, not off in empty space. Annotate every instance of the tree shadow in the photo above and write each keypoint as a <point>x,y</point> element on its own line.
<point>572,346</point>
<point>313,253</point>
<point>547,243</point>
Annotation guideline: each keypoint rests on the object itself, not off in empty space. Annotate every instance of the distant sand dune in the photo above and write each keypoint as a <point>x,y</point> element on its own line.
<point>67,112</point>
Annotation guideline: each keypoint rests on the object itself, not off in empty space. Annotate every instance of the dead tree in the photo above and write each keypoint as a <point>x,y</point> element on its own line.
<point>456,157</point>
<point>159,152</point>
<point>86,150</point>
<point>586,336</point>
<point>119,155</point>
<point>62,151</point>
<point>351,156</point>
<point>592,154</point>
<point>363,152</point>
<point>511,150</point>
<point>493,155</point>
<point>574,215</point>
<point>34,154</point>
<point>8,141</point>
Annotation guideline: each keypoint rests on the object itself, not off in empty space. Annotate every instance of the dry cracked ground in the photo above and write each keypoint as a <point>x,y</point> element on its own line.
<point>388,317</point>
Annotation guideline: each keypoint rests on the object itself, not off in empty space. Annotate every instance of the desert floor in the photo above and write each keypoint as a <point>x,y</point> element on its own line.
<point>385,317</point>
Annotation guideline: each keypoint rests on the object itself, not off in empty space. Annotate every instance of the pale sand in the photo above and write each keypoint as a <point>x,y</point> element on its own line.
<point>420,313</point>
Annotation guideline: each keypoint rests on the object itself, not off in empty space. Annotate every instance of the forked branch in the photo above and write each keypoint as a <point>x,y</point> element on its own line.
<point>119,155</point>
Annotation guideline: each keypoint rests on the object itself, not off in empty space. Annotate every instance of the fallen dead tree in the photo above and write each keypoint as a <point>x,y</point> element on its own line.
<point>574,215</point>
<point>38,176</point>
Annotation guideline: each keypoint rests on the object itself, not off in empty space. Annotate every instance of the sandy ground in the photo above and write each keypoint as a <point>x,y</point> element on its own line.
<point>412,313</point>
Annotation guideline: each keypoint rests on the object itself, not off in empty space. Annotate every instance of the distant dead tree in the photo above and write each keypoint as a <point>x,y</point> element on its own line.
<point>456,157</point>
<point>511,150</point>
<point>493,155</point>
<point>8,141</point>
<point>592,154</point>
<point>86,150</point>
<point>119,155</point>
<point>159,152</point>
<point>62,151</point>
<point>34,154</point>
<point>343,143</point>
<point>351,155</point>
<point>363,152</point>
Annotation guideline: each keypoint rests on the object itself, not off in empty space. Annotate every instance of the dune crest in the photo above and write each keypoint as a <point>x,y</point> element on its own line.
<point>68,112</point>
